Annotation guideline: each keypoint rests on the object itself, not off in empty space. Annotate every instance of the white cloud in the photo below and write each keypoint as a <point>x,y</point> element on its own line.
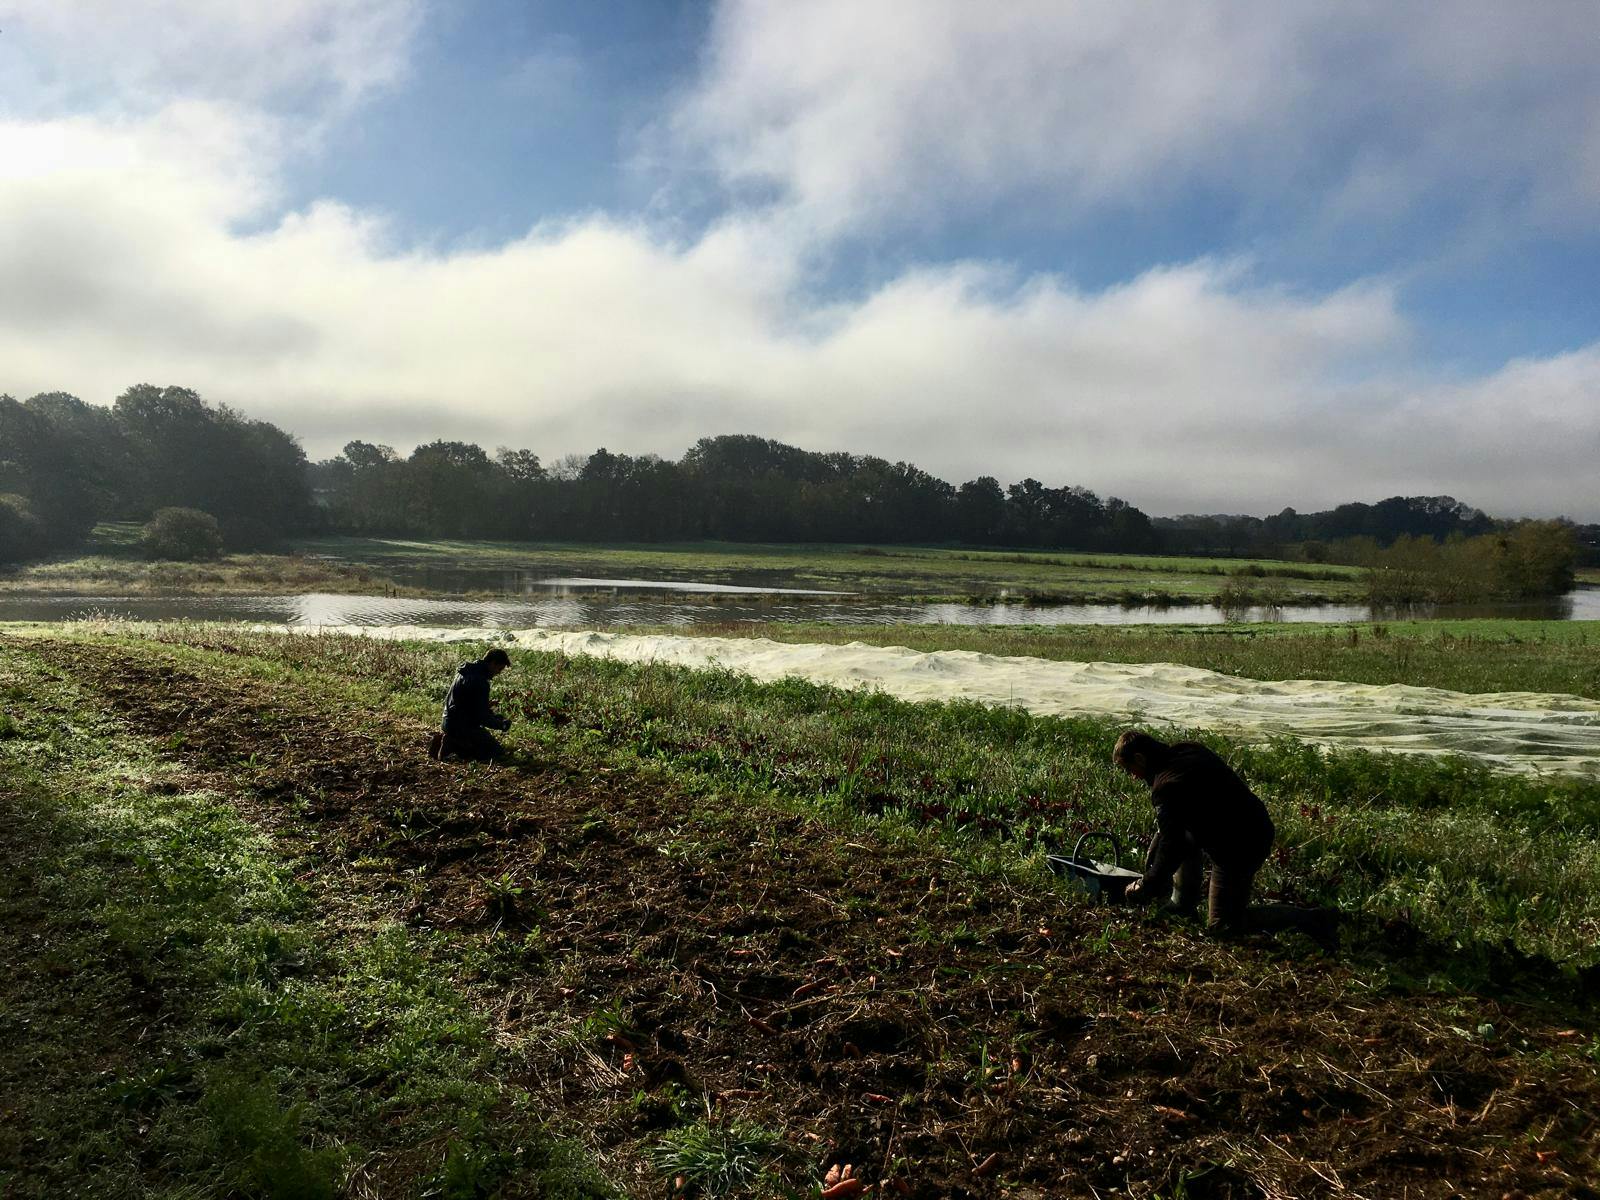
<point>903,110</point>
<point>127,180</point>
<point>1192,387</point>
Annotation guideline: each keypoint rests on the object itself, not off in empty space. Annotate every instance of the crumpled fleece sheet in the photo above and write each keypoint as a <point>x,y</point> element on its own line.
<point>1522,731</point>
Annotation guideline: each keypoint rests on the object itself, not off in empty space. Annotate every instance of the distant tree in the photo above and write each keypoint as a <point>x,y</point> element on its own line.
<point>1127,529</point>
<point>251,475</point>
<point>364,455</point>
<point>22,534</point>
<point>102,468</point>
<point>980,510</point>
<point>453,490</point>
<point>1522,560</point>
<point>1535,558</point>
<point>38,461</point>
<point>183,535</point>
<point>521,465</point>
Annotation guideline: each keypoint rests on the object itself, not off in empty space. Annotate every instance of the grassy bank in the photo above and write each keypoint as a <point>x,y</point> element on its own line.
<point>233,574</point>
<point>1463,656</point>
<point>742,933</point>
<point>112,564</point>
<point>900,571</point>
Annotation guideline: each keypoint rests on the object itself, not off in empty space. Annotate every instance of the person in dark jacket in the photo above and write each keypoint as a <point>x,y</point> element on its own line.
<point>1206,813</point>
<point>469,713</point>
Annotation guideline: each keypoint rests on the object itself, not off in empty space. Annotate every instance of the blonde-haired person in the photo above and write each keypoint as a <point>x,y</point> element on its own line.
<point>1206,814</point>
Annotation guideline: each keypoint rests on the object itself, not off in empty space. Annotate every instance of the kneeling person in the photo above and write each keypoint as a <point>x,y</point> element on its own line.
<point>1204,811</point>
<point>468,712</point>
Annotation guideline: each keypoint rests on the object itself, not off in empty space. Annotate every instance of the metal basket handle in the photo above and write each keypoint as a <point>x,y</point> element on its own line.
<point>1107,835</point>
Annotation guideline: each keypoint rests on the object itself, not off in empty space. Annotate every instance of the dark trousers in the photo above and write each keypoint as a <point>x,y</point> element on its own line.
<point>1228,905</point>
<point>474,744</point>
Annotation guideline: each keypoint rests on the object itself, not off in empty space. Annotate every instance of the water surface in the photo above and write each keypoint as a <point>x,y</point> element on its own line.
<point>591,606</point>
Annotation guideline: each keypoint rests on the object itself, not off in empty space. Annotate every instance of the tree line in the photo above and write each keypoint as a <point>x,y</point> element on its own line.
<point>66,464</point>
<point>729,488</point>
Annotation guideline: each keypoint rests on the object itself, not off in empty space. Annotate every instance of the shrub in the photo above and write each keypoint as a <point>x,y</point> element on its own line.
<point>22,535</point>
<point>182,534</point>
<point>1528,558</point>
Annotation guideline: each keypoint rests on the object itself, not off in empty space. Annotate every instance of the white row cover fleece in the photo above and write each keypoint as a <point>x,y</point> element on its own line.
<point>1521,731</point>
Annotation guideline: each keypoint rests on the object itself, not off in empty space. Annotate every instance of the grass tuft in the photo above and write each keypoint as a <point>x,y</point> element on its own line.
<point>712,1160</point>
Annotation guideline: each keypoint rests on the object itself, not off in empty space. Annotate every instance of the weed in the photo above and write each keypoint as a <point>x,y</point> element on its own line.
<point>264,1141</point>
<point>502,896</point>
<point>1105,942</point>
<point>608,1023</point>
<point>718,1160</point>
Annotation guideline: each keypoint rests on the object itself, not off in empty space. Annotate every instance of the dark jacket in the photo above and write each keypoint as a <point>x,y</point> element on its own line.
<point>466,706</point>
<point>1201,803</point>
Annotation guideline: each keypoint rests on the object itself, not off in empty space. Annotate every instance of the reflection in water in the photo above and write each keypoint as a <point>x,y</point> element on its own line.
<point>622,609</point>
<point>582,583</point>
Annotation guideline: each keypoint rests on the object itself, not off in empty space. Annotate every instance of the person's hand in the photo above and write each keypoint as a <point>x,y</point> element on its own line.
<point>1134,892</point>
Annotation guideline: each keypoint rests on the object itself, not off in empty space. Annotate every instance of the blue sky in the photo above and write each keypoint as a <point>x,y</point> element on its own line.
<point>513,113</point>
<point>1326,252</point>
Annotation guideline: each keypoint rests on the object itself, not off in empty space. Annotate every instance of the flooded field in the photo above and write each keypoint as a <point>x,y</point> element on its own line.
<point>586,602</point>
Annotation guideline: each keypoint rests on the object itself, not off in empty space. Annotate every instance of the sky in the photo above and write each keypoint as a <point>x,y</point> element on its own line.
<point>1211,257</point>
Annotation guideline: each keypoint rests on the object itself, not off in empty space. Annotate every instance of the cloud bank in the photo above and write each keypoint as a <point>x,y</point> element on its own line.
<point>142,244</point>
<point>910,109</point>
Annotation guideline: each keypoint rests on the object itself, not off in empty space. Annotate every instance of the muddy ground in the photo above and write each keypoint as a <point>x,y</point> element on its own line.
<point>950,1036</point>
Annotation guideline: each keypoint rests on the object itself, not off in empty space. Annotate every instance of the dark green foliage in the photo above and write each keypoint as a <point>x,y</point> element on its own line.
<point>65,464</point>
<point>75,463</point>
<point>1431,517</point>
<point>1527,559</point>
<point>51,481</point>
<point>22,534</point>
<point>183,535</point>
<point>249,474</point>
<point>254,1131</point>
<point>735,487</point>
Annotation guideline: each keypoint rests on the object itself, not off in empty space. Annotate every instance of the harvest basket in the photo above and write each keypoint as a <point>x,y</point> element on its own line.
<point>1099,878</point>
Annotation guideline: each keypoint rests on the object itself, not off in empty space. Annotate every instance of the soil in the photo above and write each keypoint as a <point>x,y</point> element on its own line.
<point>949,1035</point>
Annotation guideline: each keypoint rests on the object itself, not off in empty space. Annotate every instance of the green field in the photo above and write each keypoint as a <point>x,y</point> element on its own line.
<point>910,572</point>
<point>733,933</point>
<point>377,565</point>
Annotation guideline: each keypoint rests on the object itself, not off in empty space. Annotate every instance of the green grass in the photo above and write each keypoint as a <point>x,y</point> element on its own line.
<point>719,1161</point>
<point>1464,656</point>
<point>112,566</point>
<point>182,1015</point>
<point>301,1043</point>
<point>1466,856</point>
